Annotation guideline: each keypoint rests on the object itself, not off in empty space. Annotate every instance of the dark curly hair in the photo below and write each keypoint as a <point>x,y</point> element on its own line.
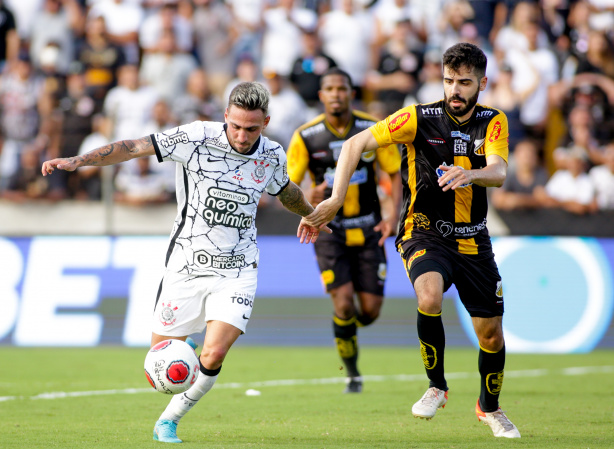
<point>465,55</point>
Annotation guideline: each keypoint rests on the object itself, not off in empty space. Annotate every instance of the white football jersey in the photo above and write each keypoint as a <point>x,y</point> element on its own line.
<point>218,190</point>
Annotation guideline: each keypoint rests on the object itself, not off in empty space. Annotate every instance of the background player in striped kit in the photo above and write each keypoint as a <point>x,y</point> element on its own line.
<point>352,259</point>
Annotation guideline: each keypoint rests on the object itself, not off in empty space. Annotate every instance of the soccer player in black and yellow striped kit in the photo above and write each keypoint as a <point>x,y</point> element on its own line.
<point>453,150</point>
<point>352,260</point>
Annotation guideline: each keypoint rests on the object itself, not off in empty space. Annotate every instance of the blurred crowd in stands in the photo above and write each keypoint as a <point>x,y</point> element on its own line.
<point>77,74</point>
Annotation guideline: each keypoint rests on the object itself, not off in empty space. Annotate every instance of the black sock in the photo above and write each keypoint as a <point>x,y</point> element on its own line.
<point>490,365</point>
<point>347,344</point>
<point>432,345</point>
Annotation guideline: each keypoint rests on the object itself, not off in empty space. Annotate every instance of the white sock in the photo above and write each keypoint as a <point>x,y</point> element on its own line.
<point>182,403</point>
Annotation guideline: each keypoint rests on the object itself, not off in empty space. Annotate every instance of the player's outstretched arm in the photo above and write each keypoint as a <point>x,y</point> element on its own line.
<point>293,199</point>
<point>110,154</point>
<point>348,160</point>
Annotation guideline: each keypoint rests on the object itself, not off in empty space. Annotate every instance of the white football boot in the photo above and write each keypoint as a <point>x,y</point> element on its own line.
<point>427,406</point>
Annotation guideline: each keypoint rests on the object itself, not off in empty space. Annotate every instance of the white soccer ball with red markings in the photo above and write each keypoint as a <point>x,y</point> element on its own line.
<point>172,366</point>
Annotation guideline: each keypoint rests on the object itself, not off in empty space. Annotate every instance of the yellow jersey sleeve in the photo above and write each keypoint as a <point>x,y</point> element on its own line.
<point>399,127</point>
<point>497,137</point>
<point>298,158</point>
<point>389,158</point>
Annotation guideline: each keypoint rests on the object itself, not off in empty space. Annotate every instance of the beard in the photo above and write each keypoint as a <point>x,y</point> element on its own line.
<point>462,110</point>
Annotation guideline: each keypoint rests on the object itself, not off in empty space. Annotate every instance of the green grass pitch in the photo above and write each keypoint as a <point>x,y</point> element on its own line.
<point>78,398</point>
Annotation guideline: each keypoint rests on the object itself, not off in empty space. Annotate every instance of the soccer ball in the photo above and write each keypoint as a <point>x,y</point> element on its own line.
<point>172,366</point>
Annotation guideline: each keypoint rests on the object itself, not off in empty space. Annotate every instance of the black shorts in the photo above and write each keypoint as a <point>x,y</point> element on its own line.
<point>476,277</point>
<point>364,266</point>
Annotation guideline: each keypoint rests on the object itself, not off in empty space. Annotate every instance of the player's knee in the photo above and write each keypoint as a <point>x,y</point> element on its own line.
<point>367,317</point>
<point>213,357</point>
<point>492,342</point>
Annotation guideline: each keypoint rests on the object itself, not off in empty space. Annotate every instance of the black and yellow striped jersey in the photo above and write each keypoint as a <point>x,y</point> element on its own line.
<point>315,147</point>
<point>432,137</point>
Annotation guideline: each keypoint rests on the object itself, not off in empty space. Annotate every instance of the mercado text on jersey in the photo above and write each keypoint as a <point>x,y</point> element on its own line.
<point>432,137</point>
<point>316,146</point>
<point>218,190</point>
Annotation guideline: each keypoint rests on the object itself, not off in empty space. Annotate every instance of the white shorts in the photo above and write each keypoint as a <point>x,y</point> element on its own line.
<point>186,302</point>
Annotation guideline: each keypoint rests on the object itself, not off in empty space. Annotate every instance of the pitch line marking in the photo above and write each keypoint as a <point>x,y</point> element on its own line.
<point>570,371</point>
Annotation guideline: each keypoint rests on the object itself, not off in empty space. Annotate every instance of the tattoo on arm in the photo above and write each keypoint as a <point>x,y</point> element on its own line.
<point>293,199</point>
<point>116,152</point>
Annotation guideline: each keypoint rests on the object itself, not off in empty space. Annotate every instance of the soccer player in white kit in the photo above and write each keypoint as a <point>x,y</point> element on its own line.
<point>212,259</point>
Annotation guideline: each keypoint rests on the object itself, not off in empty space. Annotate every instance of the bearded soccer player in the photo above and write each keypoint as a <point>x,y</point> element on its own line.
<point>352,260</point>
<point>453,150</point>
<point>222,171</point>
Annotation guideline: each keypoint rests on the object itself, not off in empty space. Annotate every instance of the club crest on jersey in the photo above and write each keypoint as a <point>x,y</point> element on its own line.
<point>499,291</point>
<point>167,314</point>
<point>259,172</point>
<point>397,123</point>
<point>422,221</point>
<point>381,271</point>
<point>478,147</point>
<point>495,133</point>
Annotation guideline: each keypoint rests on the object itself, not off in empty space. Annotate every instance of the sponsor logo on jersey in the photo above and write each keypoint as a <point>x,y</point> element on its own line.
<point>445,228</point>
<point>220,208</point>
<point>478,147</point>
<point>319,154</point>
<point>167,314</point>
<point>397,123</point>
<point>432,111</point>
<point>245,299</point>
<point>313,130</point>
<point>358,177</point>
<point>238,175</point>
<point>259,173</point>
<point>221,262</point>
<point>495,133</point>
<point>174,139</point>
<point>436,141</point>
<point>335,147</point>
<point>269,153</point>
<point>460,147</point>
<point>216,142</point>
<point>465,137</point>
<point>364,124</point>
<point>413,257</point>
<point>484,114</point>
<point>467,231</point>
<point>440,172</point>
